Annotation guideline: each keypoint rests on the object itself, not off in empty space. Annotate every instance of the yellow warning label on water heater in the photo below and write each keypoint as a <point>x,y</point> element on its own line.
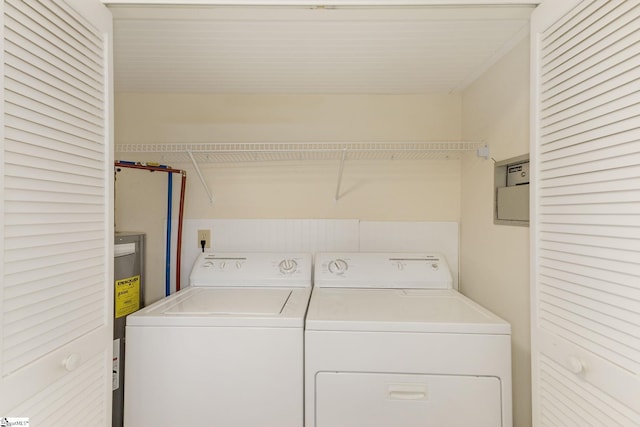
<point>127,296</point>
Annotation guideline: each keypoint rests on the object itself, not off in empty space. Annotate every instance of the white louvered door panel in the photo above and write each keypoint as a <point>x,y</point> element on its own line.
<point>586,210</point>
<point>57,254</point>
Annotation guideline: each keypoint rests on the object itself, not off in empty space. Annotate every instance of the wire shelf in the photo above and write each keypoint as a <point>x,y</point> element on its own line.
<point>239,152</point>
<point>252,152</point>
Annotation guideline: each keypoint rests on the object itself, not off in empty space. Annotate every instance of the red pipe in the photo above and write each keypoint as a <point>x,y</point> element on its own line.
<point>167,169</point>
<point>179,244</point>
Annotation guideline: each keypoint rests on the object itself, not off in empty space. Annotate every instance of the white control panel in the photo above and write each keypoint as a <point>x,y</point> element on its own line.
<point>382,270</point>
<point>252,269</point>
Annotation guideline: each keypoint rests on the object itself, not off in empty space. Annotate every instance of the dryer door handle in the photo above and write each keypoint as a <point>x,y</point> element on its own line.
<point>407,391</point>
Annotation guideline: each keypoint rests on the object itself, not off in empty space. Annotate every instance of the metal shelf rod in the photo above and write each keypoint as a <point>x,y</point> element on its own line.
<point>204,183</point>
<point>344,155</point>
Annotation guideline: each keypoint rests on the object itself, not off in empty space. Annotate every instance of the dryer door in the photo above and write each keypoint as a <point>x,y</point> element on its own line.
<point>346,399</point>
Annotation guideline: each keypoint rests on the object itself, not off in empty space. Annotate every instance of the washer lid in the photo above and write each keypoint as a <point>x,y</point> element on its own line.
<point>400,310</point>
<point>256,307</point>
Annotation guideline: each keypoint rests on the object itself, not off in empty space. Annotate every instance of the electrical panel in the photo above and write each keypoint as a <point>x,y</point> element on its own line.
<point>511,196</point>
<point>518,174</point>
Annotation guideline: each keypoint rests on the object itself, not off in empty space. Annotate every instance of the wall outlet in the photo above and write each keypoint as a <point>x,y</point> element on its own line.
<point>206,236</point>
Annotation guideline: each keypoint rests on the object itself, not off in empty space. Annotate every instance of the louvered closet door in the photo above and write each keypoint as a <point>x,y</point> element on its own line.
<point>56,309</point>
<point>586,228</point>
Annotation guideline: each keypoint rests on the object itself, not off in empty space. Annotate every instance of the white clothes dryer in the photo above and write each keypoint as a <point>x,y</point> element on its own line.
<point>226,351</point>
<point>388,342</point>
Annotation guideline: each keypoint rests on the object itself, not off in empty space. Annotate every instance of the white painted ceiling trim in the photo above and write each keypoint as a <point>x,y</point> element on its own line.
<point>359,47</point>
<point>393,3</point>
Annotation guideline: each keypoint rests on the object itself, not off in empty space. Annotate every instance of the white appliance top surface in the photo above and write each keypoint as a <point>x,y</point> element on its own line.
<point>233,307</point>
<point>257,302</point>
<point>400,310</point>
<point>254,269</point>
<point>382,270</point>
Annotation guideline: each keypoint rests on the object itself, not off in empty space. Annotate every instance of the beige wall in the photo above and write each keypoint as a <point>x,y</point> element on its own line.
<point>495,258</point>
<point>370,190</point>
<point>275,118</point>
<point>380,190</point>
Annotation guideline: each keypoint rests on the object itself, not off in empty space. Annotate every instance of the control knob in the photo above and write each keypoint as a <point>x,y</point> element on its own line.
<point>338,266</point>
<point>288,266</point>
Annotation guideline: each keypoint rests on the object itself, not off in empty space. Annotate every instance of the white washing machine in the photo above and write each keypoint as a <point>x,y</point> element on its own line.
<point>226,351</point>
<point>388,343</point>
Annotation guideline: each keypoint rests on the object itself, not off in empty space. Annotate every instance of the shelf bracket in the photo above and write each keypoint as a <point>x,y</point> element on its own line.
<point>204,184</point>
<point>344,155</point>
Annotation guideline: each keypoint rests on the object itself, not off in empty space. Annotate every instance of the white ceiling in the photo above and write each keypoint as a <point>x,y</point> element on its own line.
<point>307,49</point>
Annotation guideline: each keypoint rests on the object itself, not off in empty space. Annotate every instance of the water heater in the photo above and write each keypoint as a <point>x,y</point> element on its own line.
<point>128,297</point>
